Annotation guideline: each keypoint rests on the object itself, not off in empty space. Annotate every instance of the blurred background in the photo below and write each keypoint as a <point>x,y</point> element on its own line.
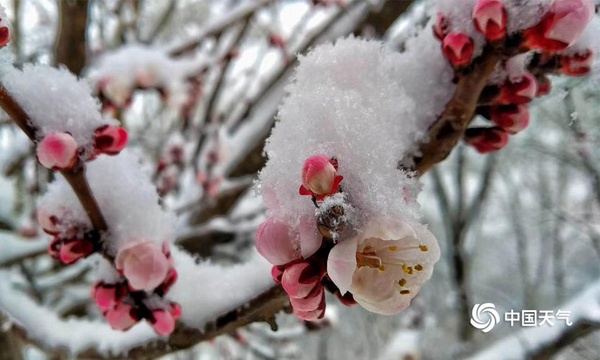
<point>197,84</point>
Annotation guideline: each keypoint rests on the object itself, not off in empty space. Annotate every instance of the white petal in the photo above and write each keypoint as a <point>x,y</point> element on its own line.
<point>341,264</point>
<point>392,229</point>
<point>310,239</point>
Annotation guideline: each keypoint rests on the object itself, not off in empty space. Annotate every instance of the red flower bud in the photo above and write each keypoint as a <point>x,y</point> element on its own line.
<point>75,249</point>
<point>518,92</point>
<point>511,118</point>
<point>458,49</point>
<point>562,25</point>
<point>543,86</point>
<point>110,140</point>
<point>440,29</point>
<point>121,317</point>
<point>486,140</point>
<point>576,64</point>
<point>490,18</point>
<point>4,36</point>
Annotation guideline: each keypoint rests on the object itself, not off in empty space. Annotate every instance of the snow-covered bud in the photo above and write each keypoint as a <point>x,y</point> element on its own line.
<point>458,49</point>
<point>518,92</point>
<point>110,140</point>
<point>121,317</point>
<point>143,264</point>
<point>440,29</point>
<point>162,322</point>
<point>511,118</point>
<point>74,249</point>
<point>319,176</point>
<point>486,140</point>
<point>490,18</point>
<point>48,222</point>
<point>576,64</point>
<point>4,36</point>
<point>57,151</point>
<point>562,25</point>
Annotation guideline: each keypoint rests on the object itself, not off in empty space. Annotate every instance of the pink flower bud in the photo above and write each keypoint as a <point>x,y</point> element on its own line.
<point>4,36</point>
<point>458,49</point>
<point>319,176</point>
<point>273,242</point>
<point>110,140</point>
<point>518,92</point>
<point>577,64</point>
<point>57,151</point>
<point>300,279</point>
<point>143,265</point>
<point>105,295</point>
<point>47,221</point>
<point>175,310</point>
<point>277,273</point>
<point>312,315</point>
<point>511,118</point>
<point>440,29</point>
<point>74,249</point>
<point>486,140</point>
<point>490,18</point>
<point>562,25</point>
<point>310,302</point>
<point>163,322</point>
<point>121,317</point>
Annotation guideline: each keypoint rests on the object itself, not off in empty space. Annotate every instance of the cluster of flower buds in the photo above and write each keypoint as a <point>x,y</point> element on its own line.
<point>70,242</point>
<point>298,253</point>
<point>4,34</point>
<point>60,151</point>
<point>147,275</point>
<point>169,168</point>
<point>504,104</point>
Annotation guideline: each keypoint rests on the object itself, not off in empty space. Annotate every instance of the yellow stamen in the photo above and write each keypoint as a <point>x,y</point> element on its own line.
<point>407,269</point>
<point>402,282</point>
<point>419,267</point>
<point>404,292</point>
<point>393,248</point>
<point>423,248</point>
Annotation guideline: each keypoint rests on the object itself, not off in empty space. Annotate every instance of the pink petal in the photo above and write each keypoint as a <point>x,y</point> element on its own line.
<point>120,317</point>
<point>110,139</point>
<point>341,264</point>
<point>310,238</point>
<point>318,174</point>
<point>143,264</point>
<point>571,18</point>
<point>299,279</point>
<point>273,242</point>
<point>73,250</point>
<point>163,323</point>
<point>458,49</point>
<point>309,303</point>
<point>105,296</point>
<point>57,151</point>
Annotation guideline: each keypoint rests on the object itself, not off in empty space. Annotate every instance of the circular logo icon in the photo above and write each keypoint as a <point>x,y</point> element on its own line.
<point>484,317</point>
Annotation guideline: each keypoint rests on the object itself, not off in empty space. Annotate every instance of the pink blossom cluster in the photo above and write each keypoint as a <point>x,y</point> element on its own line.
<point>147,274</point>
<point>381,267</point>
<point>60,151</point>
<point>549,39</point>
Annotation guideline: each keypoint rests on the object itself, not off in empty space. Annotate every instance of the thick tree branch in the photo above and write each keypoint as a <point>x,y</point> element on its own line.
<point>70,47</point>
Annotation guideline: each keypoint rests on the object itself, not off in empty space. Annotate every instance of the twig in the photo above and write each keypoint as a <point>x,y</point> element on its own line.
<point>75,177</point>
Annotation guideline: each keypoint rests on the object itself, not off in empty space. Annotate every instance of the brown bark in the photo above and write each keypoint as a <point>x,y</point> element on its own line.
<point>70,48</point>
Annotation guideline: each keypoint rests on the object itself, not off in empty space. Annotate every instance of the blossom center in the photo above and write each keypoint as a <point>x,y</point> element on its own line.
<point>368,257</point>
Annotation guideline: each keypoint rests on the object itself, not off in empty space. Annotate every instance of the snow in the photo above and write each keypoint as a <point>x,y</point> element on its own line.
<point>56,101</point>
<point>118,72</point>
<point>340,91</point>
<point>126,196</point>
<point>206,290</point>
<point>13,247</point>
